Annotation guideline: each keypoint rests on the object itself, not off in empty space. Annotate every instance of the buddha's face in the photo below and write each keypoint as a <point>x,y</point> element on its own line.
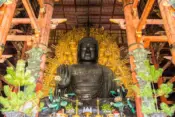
<point>88,52</point>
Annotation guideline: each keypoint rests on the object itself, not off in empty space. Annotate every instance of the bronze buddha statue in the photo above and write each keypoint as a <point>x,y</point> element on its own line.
<point>87,78</point>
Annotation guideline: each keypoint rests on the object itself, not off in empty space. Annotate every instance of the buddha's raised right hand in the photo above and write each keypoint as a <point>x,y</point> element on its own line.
<point>65,73</point>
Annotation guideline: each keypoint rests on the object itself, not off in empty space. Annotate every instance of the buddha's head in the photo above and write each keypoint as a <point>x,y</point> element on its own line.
<point>87,50</point>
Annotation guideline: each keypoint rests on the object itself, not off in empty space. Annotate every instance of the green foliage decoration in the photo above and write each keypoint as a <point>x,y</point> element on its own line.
<point>19,77</point>
<point>27,100</point>
<point>70,109</point>
<point>149,110</point>
<point>16,101</point>
<point>106,108</point>
<point>166,109</point>
<point>152,74</point>
<point>147,91</point>
<point>165,89</point>
<point>69,106</point>
<point>142,69</point>
<point>146,75</point>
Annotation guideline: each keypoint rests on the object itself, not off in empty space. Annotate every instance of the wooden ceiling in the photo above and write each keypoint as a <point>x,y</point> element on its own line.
<point>96,12</point>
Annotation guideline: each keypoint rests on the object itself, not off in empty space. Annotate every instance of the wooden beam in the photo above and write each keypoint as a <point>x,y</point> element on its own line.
<point>135,3</point>
<point>166,65</point>
<point>153,57</point>
<point>24,49</point>
<point>148,39</point>
<point>28,21</point>
<point>2,9</point>
<point>4,57</point>
<point>17,21</point>
<point>121,22</point>
<point>145,14</point>
<point>146,44</point>
<point>41,3</point>
<point>169,25</point>
<point>155,38</point>
<point>58,20</point>
<point>31,14</point>
<point>148,21</point>
<point>19,37</point>
<point>172,80</point>
<point>154,21</point>
<point>143,18</point>
<point>6,23</point>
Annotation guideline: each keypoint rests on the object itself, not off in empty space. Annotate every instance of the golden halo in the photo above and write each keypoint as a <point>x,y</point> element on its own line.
<point>109,55</point>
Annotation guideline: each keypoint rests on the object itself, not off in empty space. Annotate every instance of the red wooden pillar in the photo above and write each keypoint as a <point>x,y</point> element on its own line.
<point>6,23</point>
<point>169,25</point>
<point>2,10</point>
<point>131,38</point>
<point>45,24</point>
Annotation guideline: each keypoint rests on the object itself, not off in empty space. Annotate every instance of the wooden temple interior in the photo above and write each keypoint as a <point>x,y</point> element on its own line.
<point>25,22</point>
